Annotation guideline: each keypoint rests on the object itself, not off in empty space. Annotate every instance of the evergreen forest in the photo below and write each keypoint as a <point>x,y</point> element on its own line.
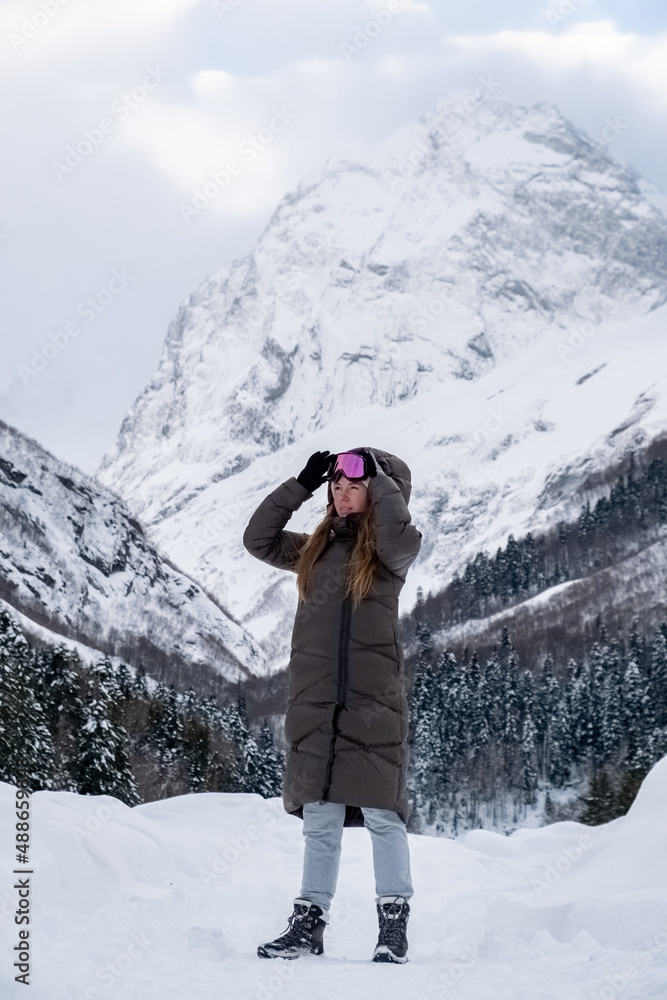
<point>492,740</point>
<point>107,730</point>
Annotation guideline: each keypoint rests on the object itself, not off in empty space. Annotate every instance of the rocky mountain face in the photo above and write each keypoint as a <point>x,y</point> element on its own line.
<point>77,566</point>
<point>481,295</point>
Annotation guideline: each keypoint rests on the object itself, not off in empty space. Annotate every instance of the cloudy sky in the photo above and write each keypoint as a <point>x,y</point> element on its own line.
<point>116,111</point>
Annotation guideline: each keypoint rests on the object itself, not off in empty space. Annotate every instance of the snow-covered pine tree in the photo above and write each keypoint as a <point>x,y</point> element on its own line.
<point>553,727</point>
<point>528,748</point>
<point>124,681</point>
<point>425,731</point>
<point>577,703</point>
<point>165,728</point>
<point>270,778</point>
<point>223,766</point>
<point>245,772</point>
<point>139,685</point>
<point>102,766</point>
<point>447,760</point>
<point>511,734</point>
<point>450,738</point>
<point>658,676</point>
<point>606,678</point>
<point>27,753</point>
<point>476,723</point>
<point>600,800</point>
<point>196,743</point>
<point>638,720</point>
<point>478,737</point>
<point>58,685</point>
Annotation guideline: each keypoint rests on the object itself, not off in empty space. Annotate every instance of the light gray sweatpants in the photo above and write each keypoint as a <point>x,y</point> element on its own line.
<point>323,831</point>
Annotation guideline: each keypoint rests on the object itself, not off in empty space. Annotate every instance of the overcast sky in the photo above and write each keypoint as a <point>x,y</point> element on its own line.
<point>115,111</point>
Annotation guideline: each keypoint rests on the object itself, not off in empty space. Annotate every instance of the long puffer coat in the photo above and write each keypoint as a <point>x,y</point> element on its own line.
<point>346,725</point>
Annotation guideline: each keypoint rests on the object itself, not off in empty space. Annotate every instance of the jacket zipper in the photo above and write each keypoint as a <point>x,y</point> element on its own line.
<point>344,651</point>
<point>341,689</point>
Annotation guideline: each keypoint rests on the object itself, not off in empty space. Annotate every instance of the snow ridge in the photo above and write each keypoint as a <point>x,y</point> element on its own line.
<point>73,560</point>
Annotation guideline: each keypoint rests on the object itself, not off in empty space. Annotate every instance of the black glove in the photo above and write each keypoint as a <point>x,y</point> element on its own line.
<point>314,475</point>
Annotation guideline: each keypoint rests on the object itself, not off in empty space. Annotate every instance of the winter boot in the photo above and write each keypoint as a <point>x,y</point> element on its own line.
<point>393,913</point>
<point>303,935</point>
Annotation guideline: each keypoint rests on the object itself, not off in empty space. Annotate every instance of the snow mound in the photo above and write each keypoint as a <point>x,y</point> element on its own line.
<point>170,899</point>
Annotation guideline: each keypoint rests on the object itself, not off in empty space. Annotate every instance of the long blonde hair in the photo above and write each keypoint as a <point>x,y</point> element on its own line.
<point>363,562</point>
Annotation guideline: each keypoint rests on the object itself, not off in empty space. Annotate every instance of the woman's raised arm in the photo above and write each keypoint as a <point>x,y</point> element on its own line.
<point>265,537</point>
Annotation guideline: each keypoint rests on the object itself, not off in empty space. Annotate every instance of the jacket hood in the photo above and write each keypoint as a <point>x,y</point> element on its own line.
<point>392,466</point>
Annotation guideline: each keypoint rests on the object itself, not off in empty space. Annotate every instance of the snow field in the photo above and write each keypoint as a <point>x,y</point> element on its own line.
<point>171,899</point>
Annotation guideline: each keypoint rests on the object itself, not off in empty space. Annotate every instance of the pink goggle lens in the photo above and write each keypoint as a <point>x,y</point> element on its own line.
<point>350,465</point>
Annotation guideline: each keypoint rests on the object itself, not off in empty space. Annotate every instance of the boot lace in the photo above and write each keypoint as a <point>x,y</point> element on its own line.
<point>300,924</point>
<point>392,925</point>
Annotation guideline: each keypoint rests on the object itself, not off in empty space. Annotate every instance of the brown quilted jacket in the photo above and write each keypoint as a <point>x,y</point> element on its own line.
<point>347,716</point>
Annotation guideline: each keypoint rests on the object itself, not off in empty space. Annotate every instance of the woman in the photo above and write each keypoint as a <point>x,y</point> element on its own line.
<point>347,716</point>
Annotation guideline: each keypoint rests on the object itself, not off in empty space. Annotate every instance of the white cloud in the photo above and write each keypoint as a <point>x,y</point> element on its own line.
<point>187,140</point>
<point>78,29</point>
<point>598,47</point>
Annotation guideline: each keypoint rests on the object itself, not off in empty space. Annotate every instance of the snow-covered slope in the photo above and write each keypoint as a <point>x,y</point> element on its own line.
<point>565,616</point>
<point>74,561</point>
<point>171,899</point>
<point>446,299</point>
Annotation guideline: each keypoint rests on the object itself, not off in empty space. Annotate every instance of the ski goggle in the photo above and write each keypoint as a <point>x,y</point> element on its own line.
<point>347,464</point>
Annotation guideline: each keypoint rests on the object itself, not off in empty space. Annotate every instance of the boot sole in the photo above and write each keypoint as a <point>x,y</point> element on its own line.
<point>387,956</point>
<point>263,952</point>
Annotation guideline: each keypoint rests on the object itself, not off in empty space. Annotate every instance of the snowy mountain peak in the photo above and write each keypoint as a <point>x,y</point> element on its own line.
<point>464,241</point>
<point>450,248</point>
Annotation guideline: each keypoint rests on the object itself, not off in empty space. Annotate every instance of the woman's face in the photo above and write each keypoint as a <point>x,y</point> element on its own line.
<point>349,498</point>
